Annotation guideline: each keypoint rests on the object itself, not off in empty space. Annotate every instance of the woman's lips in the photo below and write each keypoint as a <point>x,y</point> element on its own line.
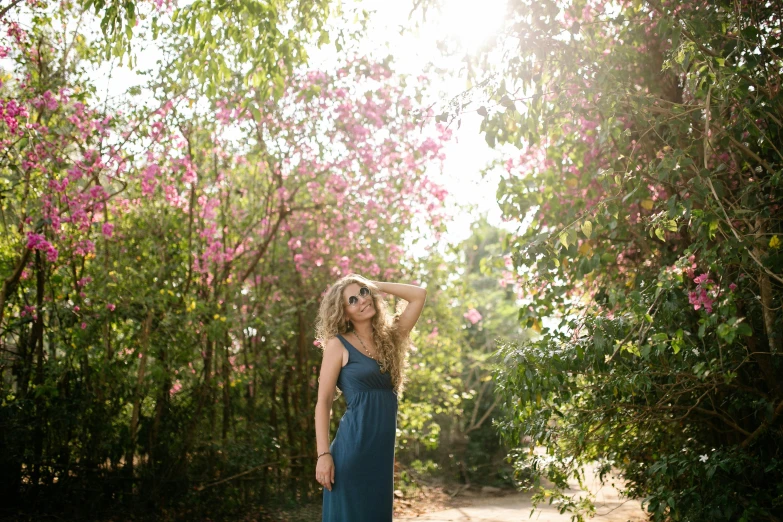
<point>365,308</point>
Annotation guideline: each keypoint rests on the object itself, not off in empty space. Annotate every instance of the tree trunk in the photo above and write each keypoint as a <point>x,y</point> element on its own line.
<point>273,421</point>
<point>9,284</point>
<point>145,335</point>
<point>248,344</point>
<point>774,337</point>
<point>289,423</point>
<point>36,344</point>
<point>158,452</point>
<point>306,422</point>
<point>209,390</point>
<point>226,375</point>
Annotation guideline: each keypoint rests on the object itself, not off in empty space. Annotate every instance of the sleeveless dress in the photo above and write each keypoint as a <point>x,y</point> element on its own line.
<point>363,446</point>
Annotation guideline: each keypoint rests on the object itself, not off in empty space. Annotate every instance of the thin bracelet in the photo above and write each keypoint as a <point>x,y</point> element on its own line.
<point>322,454</point>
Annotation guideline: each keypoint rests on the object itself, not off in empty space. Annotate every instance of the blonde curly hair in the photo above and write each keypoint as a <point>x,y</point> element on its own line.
<point>392,347</point>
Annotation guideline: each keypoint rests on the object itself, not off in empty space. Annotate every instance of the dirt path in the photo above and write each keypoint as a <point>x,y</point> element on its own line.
<point>517,507</point>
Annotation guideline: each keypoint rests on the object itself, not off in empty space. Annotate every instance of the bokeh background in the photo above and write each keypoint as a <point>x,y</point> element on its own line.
<point>589,190</point>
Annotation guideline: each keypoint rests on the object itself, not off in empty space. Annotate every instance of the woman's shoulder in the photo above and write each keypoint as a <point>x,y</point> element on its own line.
<point>333,343</point>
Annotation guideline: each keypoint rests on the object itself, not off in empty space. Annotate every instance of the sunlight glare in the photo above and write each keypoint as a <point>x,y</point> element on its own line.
<point>470,23</point>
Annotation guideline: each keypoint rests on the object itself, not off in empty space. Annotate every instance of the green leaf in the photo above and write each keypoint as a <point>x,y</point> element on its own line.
<point>587,229</point>
<point>745,329</point>
<point>572,236</point>
<point>255,112</point>
<point>279,88</point>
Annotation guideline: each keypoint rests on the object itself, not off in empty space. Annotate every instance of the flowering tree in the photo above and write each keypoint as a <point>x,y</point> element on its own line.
<point>649,186</point>
<point>163,262</point>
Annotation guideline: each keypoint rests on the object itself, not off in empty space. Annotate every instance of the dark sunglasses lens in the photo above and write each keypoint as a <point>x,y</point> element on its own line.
<point>364,292</point>
<point>352,300</point>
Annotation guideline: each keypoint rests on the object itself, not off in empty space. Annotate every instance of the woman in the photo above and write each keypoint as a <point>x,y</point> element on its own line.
<point>365,352</point>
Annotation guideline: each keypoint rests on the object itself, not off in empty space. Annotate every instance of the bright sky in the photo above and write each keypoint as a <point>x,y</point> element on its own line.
<point>413,50</point>
<point>467,153</point>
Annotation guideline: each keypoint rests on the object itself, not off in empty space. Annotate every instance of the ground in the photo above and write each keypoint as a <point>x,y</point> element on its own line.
<point>476,504</point>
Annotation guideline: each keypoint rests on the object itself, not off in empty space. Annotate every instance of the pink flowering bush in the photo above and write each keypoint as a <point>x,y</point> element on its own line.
<point>164,257</point>
<point>647,180</point>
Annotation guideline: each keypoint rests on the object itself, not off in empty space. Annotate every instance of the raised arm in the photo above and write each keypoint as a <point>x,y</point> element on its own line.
<point>415,296</point>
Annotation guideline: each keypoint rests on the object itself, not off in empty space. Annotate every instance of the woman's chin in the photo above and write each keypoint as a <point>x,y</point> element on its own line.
<point>365,315</point>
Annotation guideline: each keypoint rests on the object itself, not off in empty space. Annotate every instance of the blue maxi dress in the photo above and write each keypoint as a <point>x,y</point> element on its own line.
<point>363,446</point>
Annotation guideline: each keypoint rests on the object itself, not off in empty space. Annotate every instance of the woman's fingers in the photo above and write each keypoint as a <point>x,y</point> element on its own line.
<point>325,482</point>
<point>326,479</point>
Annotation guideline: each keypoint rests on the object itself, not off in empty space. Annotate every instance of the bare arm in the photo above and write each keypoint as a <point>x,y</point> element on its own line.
<point>330,370</point>
<point>415,296</point>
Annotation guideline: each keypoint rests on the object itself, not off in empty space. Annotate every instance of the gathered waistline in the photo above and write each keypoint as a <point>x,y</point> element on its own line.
<point>374,390</point>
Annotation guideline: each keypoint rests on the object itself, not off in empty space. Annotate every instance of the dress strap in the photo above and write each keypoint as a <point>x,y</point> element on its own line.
<point>345,341</point>
<point>350,346</point>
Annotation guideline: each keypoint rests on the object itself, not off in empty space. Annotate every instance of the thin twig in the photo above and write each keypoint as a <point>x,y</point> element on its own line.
<point>202,488</point>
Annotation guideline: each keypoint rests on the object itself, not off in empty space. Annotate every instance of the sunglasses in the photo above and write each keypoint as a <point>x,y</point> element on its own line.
<point>353,300</point>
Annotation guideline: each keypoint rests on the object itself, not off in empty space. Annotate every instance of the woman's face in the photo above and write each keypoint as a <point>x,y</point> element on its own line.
<point>363,307</point>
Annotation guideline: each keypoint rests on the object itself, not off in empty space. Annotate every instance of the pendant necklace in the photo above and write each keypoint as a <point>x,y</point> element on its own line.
<point>364,347</point>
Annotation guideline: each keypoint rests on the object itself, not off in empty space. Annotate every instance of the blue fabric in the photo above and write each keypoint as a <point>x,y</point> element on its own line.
<point>363,447</point>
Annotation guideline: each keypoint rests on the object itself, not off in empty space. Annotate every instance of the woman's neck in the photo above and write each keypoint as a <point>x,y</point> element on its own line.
<point>364,330</point>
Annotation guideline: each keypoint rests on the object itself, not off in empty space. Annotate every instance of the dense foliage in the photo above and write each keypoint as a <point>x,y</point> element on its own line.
<point>163,255</point>
<point>649,186</point>
<point>467,309</point>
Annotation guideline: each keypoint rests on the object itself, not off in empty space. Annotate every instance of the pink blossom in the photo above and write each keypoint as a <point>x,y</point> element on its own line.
<point>37,242</point>
<point>84,247</point>
<point>29,310</point>
<point>700,298</point>
<point>472,315</point>
<point>176,388</point>
<point>691,269</point>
